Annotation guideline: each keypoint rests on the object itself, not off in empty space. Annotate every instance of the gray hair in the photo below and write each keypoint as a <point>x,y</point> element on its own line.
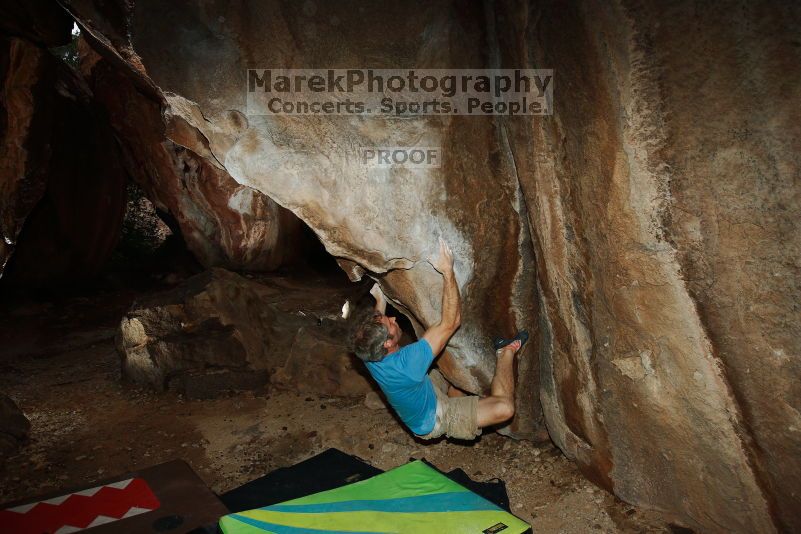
<point>369,337</point>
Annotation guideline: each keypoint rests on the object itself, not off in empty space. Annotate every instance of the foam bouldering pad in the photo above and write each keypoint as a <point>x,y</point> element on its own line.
<point>330,469</point>
<point>169,497</point>
<point>414,498</point>
<point>494,491</point>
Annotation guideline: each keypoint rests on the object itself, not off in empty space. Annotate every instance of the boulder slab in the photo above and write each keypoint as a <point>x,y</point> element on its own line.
<point>220,331</point>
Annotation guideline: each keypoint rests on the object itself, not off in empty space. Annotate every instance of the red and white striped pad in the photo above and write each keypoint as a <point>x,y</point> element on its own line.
<point>83,509</point>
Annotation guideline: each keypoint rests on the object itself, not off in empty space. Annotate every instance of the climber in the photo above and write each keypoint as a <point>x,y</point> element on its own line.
<point>425,402</point>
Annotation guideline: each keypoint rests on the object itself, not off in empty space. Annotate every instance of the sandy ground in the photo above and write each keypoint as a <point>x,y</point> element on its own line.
<point>59,363</point>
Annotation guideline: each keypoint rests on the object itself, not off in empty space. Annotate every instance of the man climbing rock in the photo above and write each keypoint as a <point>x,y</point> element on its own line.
<point>426,403</point>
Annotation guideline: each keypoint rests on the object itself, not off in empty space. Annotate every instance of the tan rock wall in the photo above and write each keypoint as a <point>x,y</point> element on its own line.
<point>660,196</point>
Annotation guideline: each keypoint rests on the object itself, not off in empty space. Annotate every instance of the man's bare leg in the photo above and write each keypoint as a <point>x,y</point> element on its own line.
<point>500,405</point>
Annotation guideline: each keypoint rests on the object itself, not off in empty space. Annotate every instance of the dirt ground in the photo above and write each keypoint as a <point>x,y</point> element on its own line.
<point>58,362</point>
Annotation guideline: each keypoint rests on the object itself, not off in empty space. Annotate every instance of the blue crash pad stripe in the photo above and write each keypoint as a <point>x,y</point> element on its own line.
<point>462,501</point>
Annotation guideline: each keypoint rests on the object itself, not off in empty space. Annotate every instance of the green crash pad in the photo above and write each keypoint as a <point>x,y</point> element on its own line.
<point>413,498</point>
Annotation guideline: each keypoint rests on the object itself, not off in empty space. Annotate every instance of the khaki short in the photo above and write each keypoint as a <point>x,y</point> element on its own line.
<point>457,417</point>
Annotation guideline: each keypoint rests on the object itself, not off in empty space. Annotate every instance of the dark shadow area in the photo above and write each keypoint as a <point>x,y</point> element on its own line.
<point>150,250</point>
<point>409,335</point>
<point>316,260</point>
<point>148,254</point>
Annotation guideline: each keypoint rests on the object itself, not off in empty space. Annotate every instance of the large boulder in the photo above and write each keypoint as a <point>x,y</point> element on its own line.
<point>664,197</point>
<point>221,331</point>
<point>387,221</point>
<point>649,226</point>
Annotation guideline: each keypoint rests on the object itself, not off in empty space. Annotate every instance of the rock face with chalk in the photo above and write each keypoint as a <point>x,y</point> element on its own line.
<point>383,221</point>
<point>646,232</point>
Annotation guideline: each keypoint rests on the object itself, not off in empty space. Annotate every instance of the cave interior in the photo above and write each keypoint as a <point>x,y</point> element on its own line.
<point>181,271</point>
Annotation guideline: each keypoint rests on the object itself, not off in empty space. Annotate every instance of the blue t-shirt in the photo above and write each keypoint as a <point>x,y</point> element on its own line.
<point>403,377</point>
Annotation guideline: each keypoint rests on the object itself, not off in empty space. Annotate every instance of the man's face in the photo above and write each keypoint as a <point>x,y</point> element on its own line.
<point>393,330</point>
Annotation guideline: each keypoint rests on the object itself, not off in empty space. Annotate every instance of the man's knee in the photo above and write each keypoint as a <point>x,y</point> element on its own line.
<point>495,410</point>
<point>505,410</point>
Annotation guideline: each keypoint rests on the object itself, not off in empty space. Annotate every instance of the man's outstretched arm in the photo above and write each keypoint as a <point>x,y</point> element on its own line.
<point>439,334</point>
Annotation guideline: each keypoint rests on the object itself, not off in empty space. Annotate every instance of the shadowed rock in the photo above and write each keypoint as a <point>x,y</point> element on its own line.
<point>62,192</point>
<point>220,331</point>
<point>14,426</point>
